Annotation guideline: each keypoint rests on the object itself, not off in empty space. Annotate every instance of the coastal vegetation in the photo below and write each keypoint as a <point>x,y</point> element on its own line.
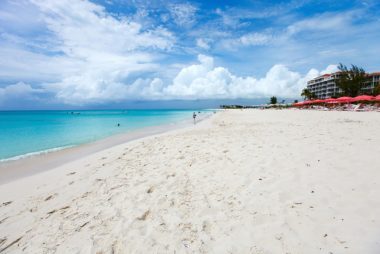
<point>231,106</point>
<point>351,80</point>
<point>273,100</point>
<point>307,94</point>
<point>376,91</point>
<point>262,106</point>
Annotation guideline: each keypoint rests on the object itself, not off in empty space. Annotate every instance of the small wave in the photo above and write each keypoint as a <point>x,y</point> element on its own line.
<point>22,156</point>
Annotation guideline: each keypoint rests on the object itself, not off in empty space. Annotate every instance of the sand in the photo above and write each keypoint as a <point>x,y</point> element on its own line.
<point>244,181</point>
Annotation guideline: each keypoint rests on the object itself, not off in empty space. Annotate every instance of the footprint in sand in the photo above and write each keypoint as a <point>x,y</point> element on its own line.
<point>7,203</point>
<point>1,221</point>
<point>144,216</point>
<point>49,197</point>
<point>2,240</point>
<point>12,243</point>
<point>150,190</point>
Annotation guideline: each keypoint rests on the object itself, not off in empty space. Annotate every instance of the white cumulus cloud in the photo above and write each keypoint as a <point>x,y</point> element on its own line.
<point>102,51</point>
<point>19,90</point>
<point>204,80</point>
<point>330,69</point>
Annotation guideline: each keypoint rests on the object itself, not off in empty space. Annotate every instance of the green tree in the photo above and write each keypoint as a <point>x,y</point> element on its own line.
<point>273,100</point>
<point>351,81</point>
<point>307,94</point>
<point>376,90</point>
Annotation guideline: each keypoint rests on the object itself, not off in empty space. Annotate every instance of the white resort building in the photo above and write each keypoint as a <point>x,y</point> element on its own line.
<point>325,87</point>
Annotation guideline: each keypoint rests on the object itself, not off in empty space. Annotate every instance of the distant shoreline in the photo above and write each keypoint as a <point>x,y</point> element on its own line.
<point>29,164</point>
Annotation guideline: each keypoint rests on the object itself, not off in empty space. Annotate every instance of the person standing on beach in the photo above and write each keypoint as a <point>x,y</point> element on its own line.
<point>194,116</point>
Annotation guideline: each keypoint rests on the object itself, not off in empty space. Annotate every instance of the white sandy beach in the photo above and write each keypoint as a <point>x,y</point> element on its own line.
<point>243,181</point>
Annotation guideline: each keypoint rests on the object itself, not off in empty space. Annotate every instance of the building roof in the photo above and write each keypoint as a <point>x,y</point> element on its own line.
<point>324,76</point>
<point>330,74</point>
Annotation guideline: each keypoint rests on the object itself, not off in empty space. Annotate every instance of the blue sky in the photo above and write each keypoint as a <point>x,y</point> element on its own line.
<point>105,53</point>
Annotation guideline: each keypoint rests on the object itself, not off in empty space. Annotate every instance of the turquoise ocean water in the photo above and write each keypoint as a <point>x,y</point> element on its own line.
<point>30,132</point>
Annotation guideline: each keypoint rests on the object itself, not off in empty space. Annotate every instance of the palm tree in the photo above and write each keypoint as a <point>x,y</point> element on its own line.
<point>273,100</point>
<point>307,94</point>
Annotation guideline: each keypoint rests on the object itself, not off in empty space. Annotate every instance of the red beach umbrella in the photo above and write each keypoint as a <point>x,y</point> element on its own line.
<point>317,101</point>
<point>364,98</point>
<point>307,102</point>
<point>377,98</point>
<point>301,103</point>
<point>331,100</point>
<point>345,99</point>
<point>298,104</point>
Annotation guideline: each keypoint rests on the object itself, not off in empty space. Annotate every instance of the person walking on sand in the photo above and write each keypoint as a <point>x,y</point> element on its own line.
<point>194,116</point>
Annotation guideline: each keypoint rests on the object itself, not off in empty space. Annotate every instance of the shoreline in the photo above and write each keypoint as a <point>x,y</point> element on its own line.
<point>37,162</point>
